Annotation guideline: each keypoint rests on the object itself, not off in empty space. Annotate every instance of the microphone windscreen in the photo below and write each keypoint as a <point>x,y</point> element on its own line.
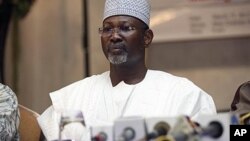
<point>100,137</point>
<point>214,129</point>
<point>128,134</point>
<point>160,129</point>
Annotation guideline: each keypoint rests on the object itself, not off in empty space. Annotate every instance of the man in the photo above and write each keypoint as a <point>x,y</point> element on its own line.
<point>129,88</point>
<point>241,103</point>
<point>9,115</point>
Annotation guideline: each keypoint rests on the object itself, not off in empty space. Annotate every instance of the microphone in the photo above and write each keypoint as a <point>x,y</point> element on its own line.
<point>128,134</point>
<point>193,130</point>
<point>213,130</point>
<point>160,129</point>
<point>184,129</point>
<point>100,137</point>
<point>102,133</point>
<point>215,127</point>
<point>129,128</point>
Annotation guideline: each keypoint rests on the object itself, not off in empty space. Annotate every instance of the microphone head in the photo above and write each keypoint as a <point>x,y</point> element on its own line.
<point>162,128</point>
<point>128,134</point>
<point>224,121</point>
<point>129,128</point>
<point>214,129</point>
<point>102,133</point>
<point>100,137</point>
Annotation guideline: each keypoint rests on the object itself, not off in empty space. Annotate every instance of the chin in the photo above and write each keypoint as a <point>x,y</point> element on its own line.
<point>117,59</point>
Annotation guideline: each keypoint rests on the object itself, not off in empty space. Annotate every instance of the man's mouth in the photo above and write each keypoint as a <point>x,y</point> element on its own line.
<point>116,49</point>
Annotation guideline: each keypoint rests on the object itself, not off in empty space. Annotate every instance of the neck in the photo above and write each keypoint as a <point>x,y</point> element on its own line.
<point>130,75</point>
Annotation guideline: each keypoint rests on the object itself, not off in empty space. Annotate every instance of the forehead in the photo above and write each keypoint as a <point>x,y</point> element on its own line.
<point>120,19</point>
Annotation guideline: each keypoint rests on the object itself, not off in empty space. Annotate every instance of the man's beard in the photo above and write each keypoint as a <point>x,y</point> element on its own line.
<point>118,59</point>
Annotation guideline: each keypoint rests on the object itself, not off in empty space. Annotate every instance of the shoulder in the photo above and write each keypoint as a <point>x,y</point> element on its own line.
<point>77,92</point>
<point>82,84</point>
<point>175,85</point>
<point>188,97</point>
<point>8,102</point>
<point>164,79</point>
<point>164,76</point>
<point>9,114</point>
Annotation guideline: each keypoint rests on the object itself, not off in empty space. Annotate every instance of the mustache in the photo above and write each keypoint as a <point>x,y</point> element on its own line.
<point>117,46</point>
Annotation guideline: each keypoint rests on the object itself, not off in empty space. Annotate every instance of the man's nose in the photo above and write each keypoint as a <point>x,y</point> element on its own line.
<point>115,31</point>
<point>115,34</point>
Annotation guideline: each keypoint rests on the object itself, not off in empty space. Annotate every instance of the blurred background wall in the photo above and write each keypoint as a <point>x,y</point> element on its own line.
<point>51,55</point>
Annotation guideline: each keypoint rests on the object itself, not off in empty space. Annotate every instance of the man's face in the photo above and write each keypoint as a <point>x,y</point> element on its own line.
<point>122,39</point>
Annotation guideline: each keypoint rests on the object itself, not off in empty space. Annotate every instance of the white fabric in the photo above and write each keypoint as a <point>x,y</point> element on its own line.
<point>136,8</point>
<point>159,94</point>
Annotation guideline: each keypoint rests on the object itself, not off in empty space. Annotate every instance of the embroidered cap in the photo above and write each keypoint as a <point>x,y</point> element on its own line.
<point>137,8</point>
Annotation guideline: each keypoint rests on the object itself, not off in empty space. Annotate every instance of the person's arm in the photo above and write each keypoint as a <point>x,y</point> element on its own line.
<point>194,101</point>
<point>49,124</point>
<point>9,114</point>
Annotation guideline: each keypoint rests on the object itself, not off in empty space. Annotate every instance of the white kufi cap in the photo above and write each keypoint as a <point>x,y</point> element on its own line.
<point>136,8</point>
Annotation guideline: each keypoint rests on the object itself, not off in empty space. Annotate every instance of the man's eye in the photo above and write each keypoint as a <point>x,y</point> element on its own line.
<point>126,28</point>
<point>107,29</point>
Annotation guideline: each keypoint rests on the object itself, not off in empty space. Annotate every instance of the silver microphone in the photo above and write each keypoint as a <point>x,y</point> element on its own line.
<point>128,134</point>
<point>129,128</point>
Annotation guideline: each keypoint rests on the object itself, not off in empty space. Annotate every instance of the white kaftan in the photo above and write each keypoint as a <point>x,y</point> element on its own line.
<point>158,94</point>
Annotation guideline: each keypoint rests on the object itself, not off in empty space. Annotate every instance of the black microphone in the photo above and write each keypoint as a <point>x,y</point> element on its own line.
<point>185,130</point>
<point>160,129</point>
<point>213,130</point>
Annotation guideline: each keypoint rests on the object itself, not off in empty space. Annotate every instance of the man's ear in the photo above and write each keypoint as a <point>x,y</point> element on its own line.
<point>148,37</point>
